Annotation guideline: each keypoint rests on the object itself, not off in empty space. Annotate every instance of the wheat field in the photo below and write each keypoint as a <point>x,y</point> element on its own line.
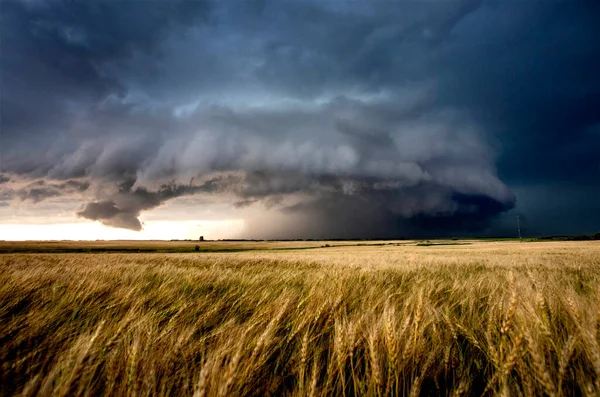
<point>483,318</point>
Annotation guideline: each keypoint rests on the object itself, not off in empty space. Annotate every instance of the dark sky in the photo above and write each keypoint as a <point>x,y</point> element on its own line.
<point>320,118</point>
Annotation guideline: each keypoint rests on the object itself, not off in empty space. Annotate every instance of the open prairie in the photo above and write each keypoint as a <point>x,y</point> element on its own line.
<point>300,318</point>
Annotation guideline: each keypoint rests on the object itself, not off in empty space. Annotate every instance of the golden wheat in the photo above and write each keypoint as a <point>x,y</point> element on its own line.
<point>485,318</point>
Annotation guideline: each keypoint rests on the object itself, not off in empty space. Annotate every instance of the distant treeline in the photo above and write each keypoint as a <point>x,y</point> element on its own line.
<point>545,238</point>
<point>323,239</point>
<point>573,238</point>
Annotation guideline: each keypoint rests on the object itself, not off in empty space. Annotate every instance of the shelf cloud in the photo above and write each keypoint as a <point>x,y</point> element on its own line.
<point>363,119</point>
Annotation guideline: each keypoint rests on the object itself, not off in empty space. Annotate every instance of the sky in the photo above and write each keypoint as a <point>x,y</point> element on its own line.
<point>282,119</point>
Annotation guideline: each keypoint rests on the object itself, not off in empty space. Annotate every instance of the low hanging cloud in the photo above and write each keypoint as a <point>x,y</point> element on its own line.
<point>123,208</point>
<point>362,119</point>
<point>42,190</point>
<point>403,167</point>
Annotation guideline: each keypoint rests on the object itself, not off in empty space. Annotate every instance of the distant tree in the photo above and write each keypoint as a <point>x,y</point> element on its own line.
<point>197,248</point>
<point>201,238</point>
<point>596,236</point>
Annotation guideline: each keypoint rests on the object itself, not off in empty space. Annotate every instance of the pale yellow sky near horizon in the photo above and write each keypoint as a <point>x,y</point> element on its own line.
<point>181,218</point>
<point>152,230</point>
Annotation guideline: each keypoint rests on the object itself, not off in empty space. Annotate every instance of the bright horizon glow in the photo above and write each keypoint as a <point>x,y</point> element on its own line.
<point>152,230</point>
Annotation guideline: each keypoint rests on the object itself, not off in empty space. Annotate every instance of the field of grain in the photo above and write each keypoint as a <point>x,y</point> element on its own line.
<point>476,318</point>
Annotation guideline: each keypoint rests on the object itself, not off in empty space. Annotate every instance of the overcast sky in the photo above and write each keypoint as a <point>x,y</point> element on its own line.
<point>299,119</point>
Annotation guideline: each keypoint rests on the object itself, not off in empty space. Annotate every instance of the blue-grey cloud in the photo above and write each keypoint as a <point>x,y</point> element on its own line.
<point>399,118</point>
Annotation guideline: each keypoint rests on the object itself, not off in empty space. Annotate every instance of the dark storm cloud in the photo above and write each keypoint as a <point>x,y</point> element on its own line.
<point>123,208</point>
<point>41,190</point>
<point>56,55</point>
<point>379,117</point>
<point>423,210</point>
<point>533,82</point>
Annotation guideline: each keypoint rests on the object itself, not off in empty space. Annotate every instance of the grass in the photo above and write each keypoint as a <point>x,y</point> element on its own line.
<point>490,318</point>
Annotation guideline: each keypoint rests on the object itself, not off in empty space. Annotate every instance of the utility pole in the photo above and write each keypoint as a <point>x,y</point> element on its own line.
<point>519,227</point>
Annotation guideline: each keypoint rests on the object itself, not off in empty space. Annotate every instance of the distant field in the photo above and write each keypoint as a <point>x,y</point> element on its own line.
<point>299,318</point>
<point>126,246</point>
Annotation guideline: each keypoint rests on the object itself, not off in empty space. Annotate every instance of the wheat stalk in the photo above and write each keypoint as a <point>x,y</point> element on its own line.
<point>314,378</point>
<point>539,366</point>
<point>565,357</point>
<point>374,359</point>
<point>303,360</point>
<point>509,314</point>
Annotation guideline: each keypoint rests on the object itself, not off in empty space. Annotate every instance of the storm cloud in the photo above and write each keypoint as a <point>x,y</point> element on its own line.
<point>41,190</point>
<point>123,208</point>
<point>364,119</point>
